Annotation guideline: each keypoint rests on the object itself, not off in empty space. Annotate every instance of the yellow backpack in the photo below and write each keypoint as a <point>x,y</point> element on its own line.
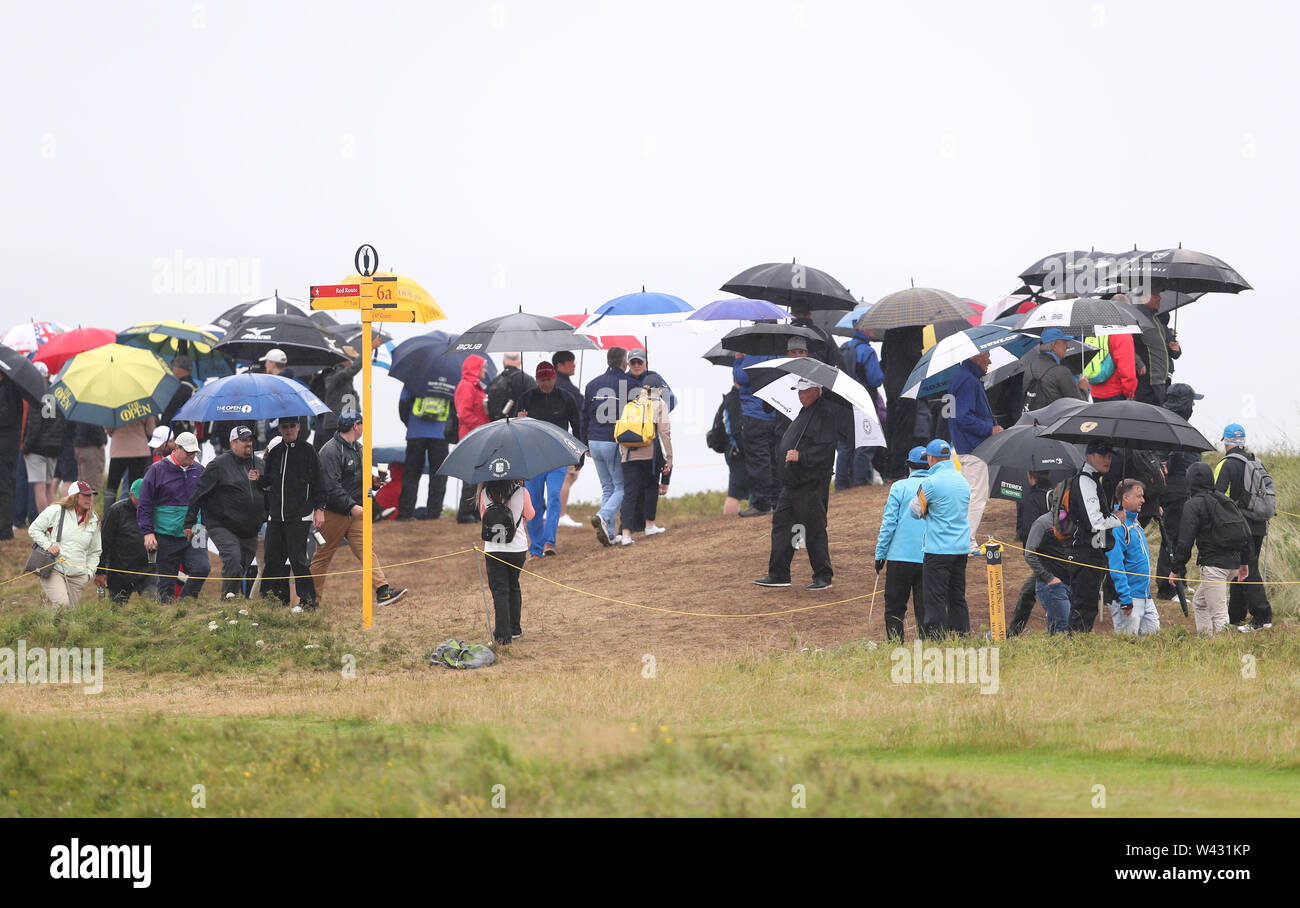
<point>636,427</point>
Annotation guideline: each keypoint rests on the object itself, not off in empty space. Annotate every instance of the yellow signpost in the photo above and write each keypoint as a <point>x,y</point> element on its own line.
<point>378,297</point>
<point>997,602</point>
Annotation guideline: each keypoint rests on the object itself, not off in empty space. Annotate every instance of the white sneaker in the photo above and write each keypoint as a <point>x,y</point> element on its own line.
<point>877,479</point>
<point>229,596</point>
<point>625,540</point>
<point>567,521</point>
<point>655,531</point>
<point>1245,628</point>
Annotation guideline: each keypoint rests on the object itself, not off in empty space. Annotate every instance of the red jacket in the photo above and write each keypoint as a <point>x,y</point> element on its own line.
<point>1123,381</point>
<point>471,396</point>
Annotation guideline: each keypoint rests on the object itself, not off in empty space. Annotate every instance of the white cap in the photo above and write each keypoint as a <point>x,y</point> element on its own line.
<point>804,384</point>
<point>187,442</point>
<point>161,436</point>
<point>275,355</point>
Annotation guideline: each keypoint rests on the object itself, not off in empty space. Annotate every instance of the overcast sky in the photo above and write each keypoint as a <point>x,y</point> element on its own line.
<point>554,155</point>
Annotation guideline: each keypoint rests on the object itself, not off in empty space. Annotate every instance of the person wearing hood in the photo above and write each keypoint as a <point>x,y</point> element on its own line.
<point>853,465</point>
<point>470,401</point>
<point>233,506</point>
<point>900,550</point>
<point>123,563</point>
<point>1180,399</point>
<point>1132,609</point>
<point>1212,523</point>
<point>807,456</point>
<point>1230,478</point>
<point>1048,378</point>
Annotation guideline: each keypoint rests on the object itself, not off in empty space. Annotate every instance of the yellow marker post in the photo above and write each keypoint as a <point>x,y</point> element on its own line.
<point>377,297</point>
<point>997,604</point>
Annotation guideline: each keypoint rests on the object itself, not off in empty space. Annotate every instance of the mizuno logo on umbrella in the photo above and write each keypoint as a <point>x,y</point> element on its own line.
<point>257,333</point>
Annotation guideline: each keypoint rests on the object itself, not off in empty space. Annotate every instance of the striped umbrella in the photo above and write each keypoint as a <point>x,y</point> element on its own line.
<point>113,385</point>
<point>271,305</point>
<point>915,306</point>
<point>29,337</point>
<point>935,370</point>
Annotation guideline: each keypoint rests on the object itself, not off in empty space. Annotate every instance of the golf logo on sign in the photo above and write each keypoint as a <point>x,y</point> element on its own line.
<point>1087,427</point>
<point>499,467</point>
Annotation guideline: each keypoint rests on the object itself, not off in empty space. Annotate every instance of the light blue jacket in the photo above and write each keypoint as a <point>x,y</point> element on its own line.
<point>902,534</point>
<point>947,531</point>
<point>1130,554</point>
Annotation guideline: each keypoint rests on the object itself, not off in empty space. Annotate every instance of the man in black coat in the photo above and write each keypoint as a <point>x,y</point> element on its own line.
<point>296,506</point>
<point>123,562</point>
<point>900,351</point>
<point>508,387</point>
<point>801,316</point>
<point>807,456</point>
<point>43,439</point>
<point>233,507</point>
<point>11,427</point>
<point>1230,479</point>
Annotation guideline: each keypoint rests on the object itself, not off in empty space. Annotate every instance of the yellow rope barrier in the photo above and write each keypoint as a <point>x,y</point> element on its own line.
<point>1109,570</point>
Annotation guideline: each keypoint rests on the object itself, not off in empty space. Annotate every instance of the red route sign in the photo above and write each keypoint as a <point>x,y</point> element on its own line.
<point>334,291</point>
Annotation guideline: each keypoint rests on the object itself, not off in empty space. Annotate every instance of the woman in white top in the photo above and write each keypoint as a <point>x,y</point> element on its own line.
<point>76,542</point>
<point>506,543</point>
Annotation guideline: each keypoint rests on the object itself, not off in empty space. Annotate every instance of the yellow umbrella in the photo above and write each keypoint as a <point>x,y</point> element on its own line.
<point>113,385</point>
<point>400,289</point>
<point>170,338</point>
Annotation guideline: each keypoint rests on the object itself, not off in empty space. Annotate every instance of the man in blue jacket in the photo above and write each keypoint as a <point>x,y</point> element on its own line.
<point>900,548</point>
<point>1132,608</point>
<point>853,465</point>
<point>970,423</point>
<point>603,402</point>
<point>943,500</point>
<point>758,428</point>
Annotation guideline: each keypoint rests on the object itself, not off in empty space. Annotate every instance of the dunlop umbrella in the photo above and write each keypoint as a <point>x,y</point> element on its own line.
<point>1129,424</point>
<point>915,306</point>
<point>62,348</point>
<point>113,385</point>
<point>170,339</point>
<point>787,284</point>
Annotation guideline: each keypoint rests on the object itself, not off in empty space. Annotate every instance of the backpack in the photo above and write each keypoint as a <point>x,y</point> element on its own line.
<point>502,392</point>
<point>499,523</point>
<point>636,427</point>
<point>431,409</point>
<point>1260,503</point>
<point>1228,529</point>
<point>716,438</point>
<point>1058,504</point>
<point>451,428</point>
<point>459,654</point>
<point>1101,367</point>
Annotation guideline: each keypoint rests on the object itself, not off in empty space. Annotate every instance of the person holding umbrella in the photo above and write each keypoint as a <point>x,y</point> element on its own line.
<point>943,500</point>
<point>1181,399</point>
<point>566,364</point>
<point>547,402</point>
<point>900,549</point>
<point>972,423</point>
<point>470,401</point>
<point>801,313</point>
<point>900,351</point>
<point>295,496</point>
<point>758,427</point>
<point>807,455</point>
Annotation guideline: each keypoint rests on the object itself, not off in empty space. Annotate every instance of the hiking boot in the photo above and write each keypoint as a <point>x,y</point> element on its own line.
<point>548,550</point>
<point>386,595</point>
<point>769,580</point>
<point>602,531</point>
<point>818,585</point>
<point>567,521</point>
<point>755,512</point>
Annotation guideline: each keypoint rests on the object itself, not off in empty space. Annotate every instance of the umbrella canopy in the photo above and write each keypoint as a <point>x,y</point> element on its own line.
<point>303,341</point>
<point>1045,416</point>
<point>404,291</point>
<point>936,368</point>
<point>770,340</point>
<point>19,370</point>
<point>915,306</point>
<point>636,313</point>
<point>787,284</point>
<point>836,381</point>
<point>1056,271</point>
<point>848,324</point>
<point>1085,315</point>
<point>524,332</point>
<point>1017,302</point>
<point>739,309</point>
<point>68,344</point>
<point>1014,453</point>
<point>511,449</point>
<point>348,334</point>
<point>170,339</point>
<point>605,341</point>
<point>1180,269</point>
<point>1129,424</point>
<point>251,395</point>
<point>29,337</point>
<point>271,305</point>
<point>430,366</point>
<point>720,357</point>
<point>113,385</point>
<point>1001,372</point>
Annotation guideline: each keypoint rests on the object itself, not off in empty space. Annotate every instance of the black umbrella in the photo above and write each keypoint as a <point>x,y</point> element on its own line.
<point>429,366</point>
<point>1014,453</point>
<point>788,284</point>
<point>271,305</point>
<point>1180,269</point>
<point>720,357</point>
<point>19,370</point>
<point>1058,268</point>
<point>304,342</point>
<point>522,331</point>
<point>1045,416</point>
<point>1129,424</point>
<point>348,333</point>
<point>770,340</point>
<point>512,449</point>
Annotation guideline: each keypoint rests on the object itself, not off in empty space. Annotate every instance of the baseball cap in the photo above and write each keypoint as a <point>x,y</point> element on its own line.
<point>1052,335</point>
<point>83,488</point>
<point>136,487</point>
<point>187,442</point>
<point>796,343</point>
<point>804,384</point>
<point>938,448</point>
<point>1182,389</point>
<point>636,354</point>
<point>241,433</point>
<point>1100,447</point>
<point>916,455</point>
<point>1234,432</point>
<point>349,418</point>
<point>183,362</point>
<point>544,370</point>
<point>275,355</point>
<point>287,421</point>
<point>161,436</point>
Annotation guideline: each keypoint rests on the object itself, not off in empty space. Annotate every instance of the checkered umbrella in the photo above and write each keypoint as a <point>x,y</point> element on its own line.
<point>915,306</point>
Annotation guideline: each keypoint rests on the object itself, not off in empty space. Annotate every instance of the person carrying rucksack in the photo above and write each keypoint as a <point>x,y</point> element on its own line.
<point>1113,368</point>
<point>1181,399</point>
<point>1242,477</point>
<point>642,432</point>
<point>506,389</point>
<point>505,508</point>
<point>1213,524</point>
<point>1047,378</point>
<point>1083,519</point>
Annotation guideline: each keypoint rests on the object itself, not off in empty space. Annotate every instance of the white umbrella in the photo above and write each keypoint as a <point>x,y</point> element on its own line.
<point>1082,315</point>
<point>781,376</point>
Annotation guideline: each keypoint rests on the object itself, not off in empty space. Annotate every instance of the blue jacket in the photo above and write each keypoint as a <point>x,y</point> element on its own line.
<point>974,417</point>
<point>1130,555</point>
<point>861,362</point>
<point>902,533</point>
<point>417,427</point>
<point>599,413</point>
<point>947,495</point>
<point>749,404</point>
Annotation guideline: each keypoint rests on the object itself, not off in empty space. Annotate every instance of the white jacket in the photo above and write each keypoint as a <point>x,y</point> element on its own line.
<point>80,545</point>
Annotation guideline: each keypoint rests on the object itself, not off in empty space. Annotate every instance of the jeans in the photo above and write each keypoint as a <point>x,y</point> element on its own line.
<point>852,466</point>
<point>609,468</point>
<point>175,552</point>
<point>546,516</point>
<point>1056,602</point>
<point>1143,619</point>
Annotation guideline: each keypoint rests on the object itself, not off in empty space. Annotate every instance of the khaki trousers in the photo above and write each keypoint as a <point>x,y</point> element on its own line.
<point>90,466</point>
<point>1211,599</point>
<point>976,473</point>
<point>337,528</point>
<point>62,590</point>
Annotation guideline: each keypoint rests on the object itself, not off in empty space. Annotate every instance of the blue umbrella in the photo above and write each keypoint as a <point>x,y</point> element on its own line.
<point>512,449</point>
<point>429,367</point>
<point>251,395</point>
<point>739,309</point>
<point>936,368</point>
<point>846,326</point>
<point>635,313</point>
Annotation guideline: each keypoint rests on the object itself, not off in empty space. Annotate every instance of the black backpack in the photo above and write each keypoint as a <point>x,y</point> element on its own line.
<point>499,523</point>
<point>716,438</point>
<point>451,428</point>
<point>1228,530</point>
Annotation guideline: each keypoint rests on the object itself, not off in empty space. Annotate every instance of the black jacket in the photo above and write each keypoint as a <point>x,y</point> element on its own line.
<point>557,408</point>
<point>900,351</point>
<point>44,434</point>
<point>1092,532</point>
<point>1030,508</point>
<point>123,544</point>
<point>830,355</point>
<point>335,389</point>
<point>1232,482</point>
<point>227,497</point>
<point>84,435</point>
<point>11,408</point>
<point>340,470</point>
<point>179,399</point>
<point>509,385</point>
<point>292,480</point>
<point>815,433</point>
<point>1197,520</point>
